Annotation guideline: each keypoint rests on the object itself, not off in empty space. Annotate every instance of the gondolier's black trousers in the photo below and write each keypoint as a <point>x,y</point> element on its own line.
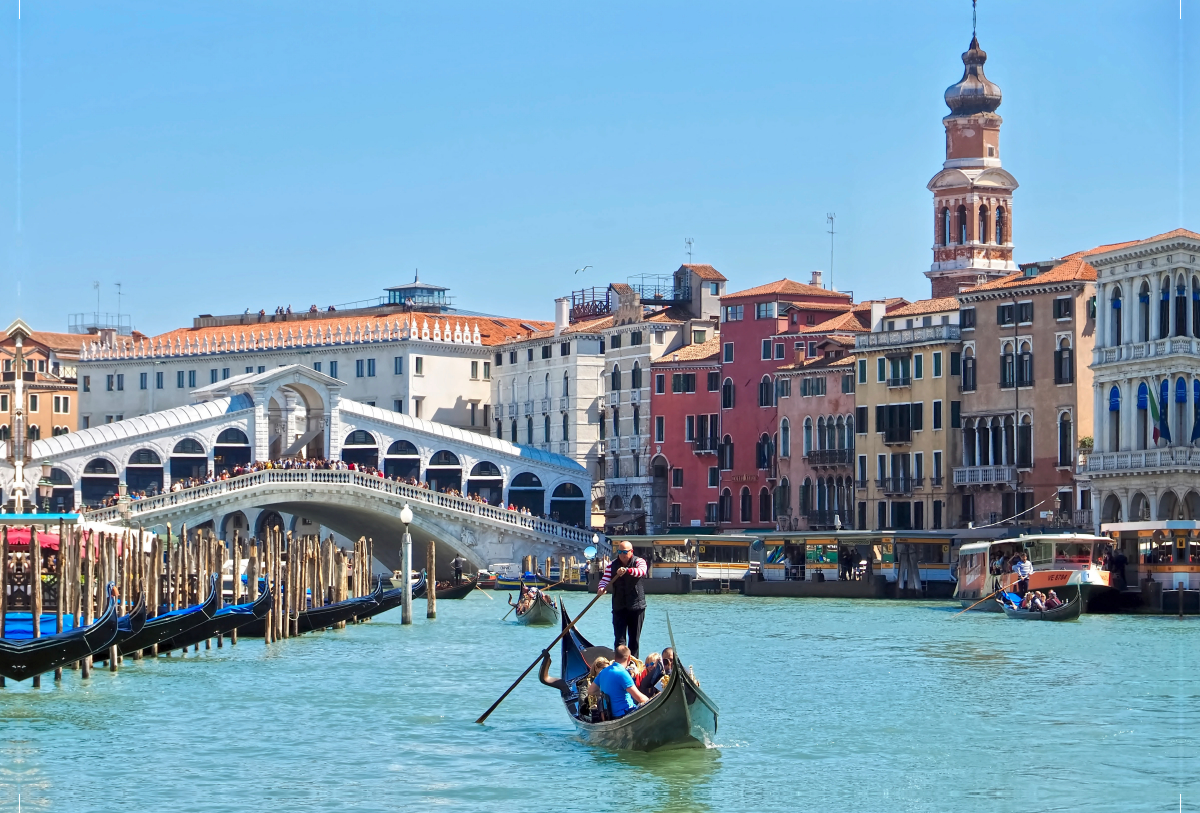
<point>628,623</point>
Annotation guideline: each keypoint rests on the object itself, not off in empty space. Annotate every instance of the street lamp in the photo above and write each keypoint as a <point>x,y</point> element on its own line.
<point>406,516</point>
<point>45,487</point>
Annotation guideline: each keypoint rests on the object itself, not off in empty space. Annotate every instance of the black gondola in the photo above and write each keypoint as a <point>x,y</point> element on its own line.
<point>541,612</point>
<point>131,624</point>
<point>20,660</point>
<point>680,716</point>
<point>448,590</point>
<point>1064,612</point>
<point>225,621</point>
<point>169,625</point>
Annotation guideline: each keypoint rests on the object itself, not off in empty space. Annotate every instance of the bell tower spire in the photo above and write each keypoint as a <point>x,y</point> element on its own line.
<point>972,194</point>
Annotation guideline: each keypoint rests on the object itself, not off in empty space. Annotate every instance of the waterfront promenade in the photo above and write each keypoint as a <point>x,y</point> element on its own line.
<point>827,705</point>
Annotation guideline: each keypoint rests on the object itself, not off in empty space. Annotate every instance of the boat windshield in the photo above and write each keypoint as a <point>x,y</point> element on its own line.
<point>672,554</point>
<point>1073,554</point>
<point>724,553</point>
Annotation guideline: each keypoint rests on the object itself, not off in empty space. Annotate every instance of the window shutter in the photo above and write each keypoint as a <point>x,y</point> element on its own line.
<point>860,420</point>
<point>879,417</point>
<point>917,415</point>
<point>999,314</point>
<point>956,414</point>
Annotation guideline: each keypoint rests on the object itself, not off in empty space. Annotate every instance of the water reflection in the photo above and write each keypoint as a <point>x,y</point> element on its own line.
<point>664,781</point>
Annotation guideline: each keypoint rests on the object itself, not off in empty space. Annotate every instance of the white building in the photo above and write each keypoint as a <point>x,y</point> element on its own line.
<point>410,354</point>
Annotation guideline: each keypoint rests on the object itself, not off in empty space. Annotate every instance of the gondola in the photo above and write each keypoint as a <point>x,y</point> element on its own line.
<point>542,612</point>
<point>392,599</point>
<point>169,625</point>
<point>20,660</point>
<point>223,622</point>
<point>1066,612</point>
<point>680,716</point>
<point>448,590</point>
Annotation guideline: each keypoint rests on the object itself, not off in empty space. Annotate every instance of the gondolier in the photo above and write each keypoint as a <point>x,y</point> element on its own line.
<point>458,563</point>
<point>623,578</point>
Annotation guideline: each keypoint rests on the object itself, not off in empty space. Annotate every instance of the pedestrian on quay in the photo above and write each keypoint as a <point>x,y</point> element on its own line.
<point>623,578</point>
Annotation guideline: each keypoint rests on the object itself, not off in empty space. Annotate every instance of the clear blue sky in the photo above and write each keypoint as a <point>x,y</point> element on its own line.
<point>218,156</point>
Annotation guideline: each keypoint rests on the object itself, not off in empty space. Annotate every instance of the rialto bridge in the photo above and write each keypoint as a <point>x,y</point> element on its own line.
<point>296,414</point>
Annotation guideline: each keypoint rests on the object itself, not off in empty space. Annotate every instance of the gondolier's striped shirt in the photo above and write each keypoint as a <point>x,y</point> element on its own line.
<point>637,568</point>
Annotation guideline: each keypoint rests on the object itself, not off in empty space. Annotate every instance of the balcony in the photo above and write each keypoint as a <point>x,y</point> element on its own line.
<point>861,485</point>
<point>614,398</point>
<point>564,447</point>
<point>1178,346</point>
<point>895,436</point>
<point>827,519</point>
<point>603,446</point>
<point>545,406</point>
<point>1172,458</point>
<point>513,410</point>
<point>902,381</point>
<point>985,476</point>
<point>830,457</point>
<point>899,485</point>
<point>529,407</point>
<point>705,445</point>
<point>916,335</point>
<point>936,482</point>
<point>564,404</point>
<point>635,396</point>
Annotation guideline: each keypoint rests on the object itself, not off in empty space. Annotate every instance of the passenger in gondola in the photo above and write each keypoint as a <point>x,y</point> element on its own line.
<point>618,686</point>
<point>1053,601</point>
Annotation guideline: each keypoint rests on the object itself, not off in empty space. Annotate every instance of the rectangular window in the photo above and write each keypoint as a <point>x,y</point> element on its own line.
<point>956,414</point>
<point>937,414</point>
<point>937,468</point>
<point>191,378</point>
<point>728,357</point>
<point>862,471</point>
<point>316,366</point>
<point>360,369</point>
<point>546,351</point>
<point>262,368</point>
<point>698,336</point>
<point>966,318</point>
<point>62,404</point>
<point>120,382</point>
<point>714,381</point>
<point>764,310</point>
<point>398,405</point>
<point>86,421</point>
<point>110,383</point>
<point>614,342</point>
<point>158,380</point>
<point>529,357</point>
<point>714,477</point>
<point>882,514</point>
<point>87,384</point>
<point>487,371</point>
<point>862,371</point>
<point>512,359</point>
<point>333,369</point>
<point>860,420</point>
<point>660,430</point>
<point>212,376</point>
<point>398,364</point>
<point>919,466</point>
<point>848,383</point>
<point>766,349</point>
<point>635,338</point>
<point>418,365</point>
<point>33,403</point>
<point>1024,312</point>
<point>956,363</point>
<point>674,519</point>
<point>370,368</point>
<point>499,362</point>
<point>937,364</point>
<point>1062,308</point>
<point>1004,315</point>
<point>689,430</point>
<point>733,313</point>
<point>783,388</point>
<point>143,381</point>
<point>918,366</point>
<point>778,350</point>
<point>812,349</point>
<point>676,478</point>
<point>564,348</point>
<point>179,379</point>
<point>474,370</point>
<point>881,369</point>
<point>660,384</point>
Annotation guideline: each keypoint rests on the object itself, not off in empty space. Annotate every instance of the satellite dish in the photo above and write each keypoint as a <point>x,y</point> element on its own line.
<point>590,551</point>
<point>757,546</point>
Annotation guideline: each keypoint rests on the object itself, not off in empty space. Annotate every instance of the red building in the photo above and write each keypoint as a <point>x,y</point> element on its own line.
<point>685,403</point>
<point>750,356</point>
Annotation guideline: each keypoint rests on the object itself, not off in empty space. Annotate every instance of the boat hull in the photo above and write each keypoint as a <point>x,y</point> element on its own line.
<point>20,660</point>
<point>682,716</point>
<point>1068,612</point>
<point>540,614</point>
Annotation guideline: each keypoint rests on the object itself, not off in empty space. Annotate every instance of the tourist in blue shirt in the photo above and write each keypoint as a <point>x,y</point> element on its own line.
<point>614,680</point>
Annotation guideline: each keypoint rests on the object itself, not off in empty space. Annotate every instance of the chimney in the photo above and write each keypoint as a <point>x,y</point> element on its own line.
<point>817,279</point>
<point>562,315</point>
<point>878,311</point>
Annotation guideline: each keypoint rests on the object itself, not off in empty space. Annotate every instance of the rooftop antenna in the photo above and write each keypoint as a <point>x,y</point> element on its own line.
<point>687,246</point>
<point>118,304</point>
<point>416,275</point>
<point>830,217</point>
<point>96,287</point>
<point>973,16</point>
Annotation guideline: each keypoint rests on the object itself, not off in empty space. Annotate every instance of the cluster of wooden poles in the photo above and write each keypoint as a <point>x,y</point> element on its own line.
<point>175,571</point>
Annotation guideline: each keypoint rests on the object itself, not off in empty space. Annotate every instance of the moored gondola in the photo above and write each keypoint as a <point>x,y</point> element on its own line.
<point>1066,612</point>
<point>448,590</point>
<point>22,659</point>
<point>169,625</point>
<point>534,607</point>
<point>223,622</point>
<point>680,716</point>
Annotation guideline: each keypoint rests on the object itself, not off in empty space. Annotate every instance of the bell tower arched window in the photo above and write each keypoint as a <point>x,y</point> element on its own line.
<point>945,235</point>
<point>1114,319</point>
<point>983,224</point>
<point>1143,312</point>
<point>1001,226</point>
<point>962,225</point>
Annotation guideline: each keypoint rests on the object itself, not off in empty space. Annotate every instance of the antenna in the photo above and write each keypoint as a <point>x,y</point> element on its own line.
<point>96,287</point>
<point>118,304</point>
<point>973,17</point>
<point>687,246</point>
<point>830,217</point>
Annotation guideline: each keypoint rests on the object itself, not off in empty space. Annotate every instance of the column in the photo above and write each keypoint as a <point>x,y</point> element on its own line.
<point>1099,435</point>
<point>1102,315</point>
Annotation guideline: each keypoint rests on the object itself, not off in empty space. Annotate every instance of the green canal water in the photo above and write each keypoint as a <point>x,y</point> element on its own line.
<point>825,705</point>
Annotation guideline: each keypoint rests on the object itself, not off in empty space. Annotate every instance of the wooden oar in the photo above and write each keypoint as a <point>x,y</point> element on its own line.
<point>489,598</point>
<point>538,659</point>
<point>976,604</point>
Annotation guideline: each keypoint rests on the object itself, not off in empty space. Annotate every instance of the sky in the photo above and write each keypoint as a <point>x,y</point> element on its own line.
<point>213,157</point>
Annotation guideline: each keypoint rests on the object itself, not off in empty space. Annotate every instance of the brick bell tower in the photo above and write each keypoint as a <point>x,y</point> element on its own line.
<point>972,195</point>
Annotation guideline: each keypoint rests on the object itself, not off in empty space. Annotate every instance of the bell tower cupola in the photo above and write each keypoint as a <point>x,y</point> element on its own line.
<point>972,194</point>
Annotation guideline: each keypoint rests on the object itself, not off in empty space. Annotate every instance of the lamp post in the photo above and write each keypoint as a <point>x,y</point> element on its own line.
<point>45,487</point>
<point>406,516</point>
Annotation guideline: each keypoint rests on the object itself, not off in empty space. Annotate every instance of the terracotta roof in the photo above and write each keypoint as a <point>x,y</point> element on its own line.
<point>705,272</point>
<point>817,364</point>
<point>786,287</point>
<point>925,306</point>
<point>704,351</point>
<point>493,330</point>
<point>889,304</point>
<point>620,287</point>
<point>851,320</point>
<point>64,344</point>
<point>1075,268</point>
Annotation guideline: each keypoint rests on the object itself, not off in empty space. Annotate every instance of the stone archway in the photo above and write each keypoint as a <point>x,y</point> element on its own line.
<point>1169,506</point>
<point>1139,507</point>
<point>1111,511</point>
<point>297,414</point>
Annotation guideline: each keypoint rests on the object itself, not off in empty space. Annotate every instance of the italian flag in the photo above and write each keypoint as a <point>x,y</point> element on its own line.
<point>1161,430</point>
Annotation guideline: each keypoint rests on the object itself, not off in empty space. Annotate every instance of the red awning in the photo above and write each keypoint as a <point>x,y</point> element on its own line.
<point>20,538</point>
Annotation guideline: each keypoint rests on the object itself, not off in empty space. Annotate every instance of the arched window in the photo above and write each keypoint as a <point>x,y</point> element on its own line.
<point>841,433</point>
<point>1143,312</point>
<point>4,432</point>
<point>728,394</point>
<point>726,453</point>
<point>637,421</point>
<point>806,496</point>
<point>444,458</point>
<point>1066,446</point>
<point>970,446</point>
<point>145,457</point>
<point>548,394</point>
<point>514,431</point>
<point>1114,419</point>
<point>1008,365</point>
<point>1001,226</point>
<point>1196,307</point>
<point>34,432</point>
<point>821,433</point>
<point>529,430</point>
<point>402,448</point>
<point>192,447</point>
<point>785,438</point>
<point>566,427</point>
<point>485,468</point>
<point>766,390</point>
<point>764,505</point>
<point>1025,366</point>
<point>830,434</point>
<point>1064,365</point>
<point>1142,437</point>
<point>747,513</point>
<point>1164,308</point>
<point>850,432</point>
<point>1025,443</point>
<point>945,235</point>
<point>635,377</point>
<point>808,436</point>
<point>1182,433</point>
<point>962,225</point>
<point>100,466</point>
<point>616,378</point>
<point>726,506</point>
<point>566,391</point>
<point>1181,308</point>
<point>529,388</point>
<point>1114,330</point>
<point>968,370</point>
<point>233,437</point>
<point>983,224</point>
<point>546,427</point>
